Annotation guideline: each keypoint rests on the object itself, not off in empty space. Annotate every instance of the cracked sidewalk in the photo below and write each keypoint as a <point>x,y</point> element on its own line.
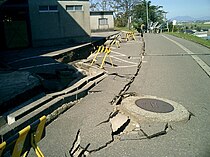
<point>85,129</point>
<point>88,114</point>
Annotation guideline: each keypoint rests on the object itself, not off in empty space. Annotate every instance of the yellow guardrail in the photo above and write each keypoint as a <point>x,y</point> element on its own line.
<point>20,143</point>
<point>106,51</point>
<point>115,40</point>
<point>130,36</point>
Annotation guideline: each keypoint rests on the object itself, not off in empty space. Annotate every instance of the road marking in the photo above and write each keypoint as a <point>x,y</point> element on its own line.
<point>179,54</point>
<point>125,66</point>
<point>124,60</point>
<point>119,54</point>
<point>120,60</point>
<point>200,62</point>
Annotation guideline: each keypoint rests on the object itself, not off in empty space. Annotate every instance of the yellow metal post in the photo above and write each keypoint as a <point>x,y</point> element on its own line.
<point>116,42</point>
<point>110,60</point>
<point>102,64</point>
<point>36,136</point>
<point>133,36</point>
<point>107,52</point>
<point>2,147</point>
<point>40,129</point>
<point>100,48</point>
<point>20,142</point>
<point>127,36</point>
<point>35,147</point>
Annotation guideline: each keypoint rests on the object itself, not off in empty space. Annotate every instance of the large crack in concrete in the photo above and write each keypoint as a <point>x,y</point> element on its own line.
<point>142,132</point>
<point>76,149</point>
<point>190,115</point>
<point>118,98</point>
<point>156,134</point>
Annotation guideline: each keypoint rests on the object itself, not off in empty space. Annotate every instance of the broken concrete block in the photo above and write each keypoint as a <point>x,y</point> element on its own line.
<point>118,121</point>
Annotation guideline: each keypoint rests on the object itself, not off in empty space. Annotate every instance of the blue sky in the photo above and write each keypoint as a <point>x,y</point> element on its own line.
<point>193,8</point>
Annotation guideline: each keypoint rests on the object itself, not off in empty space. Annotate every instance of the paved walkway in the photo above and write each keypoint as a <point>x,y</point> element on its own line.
<point>94,108</point>
<point>173,77</point>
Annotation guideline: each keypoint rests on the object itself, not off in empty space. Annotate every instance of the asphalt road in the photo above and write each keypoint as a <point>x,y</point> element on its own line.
<point>168,71</point>
<point>167,74</point>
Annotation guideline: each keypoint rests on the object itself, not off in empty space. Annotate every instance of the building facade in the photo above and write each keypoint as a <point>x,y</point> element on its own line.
<point>35,23</point>
<point>101,21</point>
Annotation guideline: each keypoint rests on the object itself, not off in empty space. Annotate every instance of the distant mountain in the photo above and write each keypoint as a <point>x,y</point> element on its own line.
<point>183,19</point>
<point>190,19</point>
<point>205,18</point>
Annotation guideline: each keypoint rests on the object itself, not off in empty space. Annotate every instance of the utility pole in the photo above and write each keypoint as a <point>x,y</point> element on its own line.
<point>147,12</point>
<point>104,5</point>
<point>166,21</point>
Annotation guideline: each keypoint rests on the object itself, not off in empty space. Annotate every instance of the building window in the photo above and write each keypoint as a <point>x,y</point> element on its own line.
<point>48,8</point>
<point>74,8</point>
<point>103,21</point>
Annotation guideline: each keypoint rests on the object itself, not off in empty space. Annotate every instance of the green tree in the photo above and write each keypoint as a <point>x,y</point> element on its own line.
<point>155,13</point>
<point>121,20</point>
<point>122,8</point>
<point>125,10</point>
<point>100,5</point>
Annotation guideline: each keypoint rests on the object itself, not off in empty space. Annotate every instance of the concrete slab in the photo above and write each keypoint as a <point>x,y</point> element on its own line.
<point>118,121</point>
<point>23,111</point>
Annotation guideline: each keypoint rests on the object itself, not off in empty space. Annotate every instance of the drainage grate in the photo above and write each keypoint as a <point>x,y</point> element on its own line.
<point>154,105</point>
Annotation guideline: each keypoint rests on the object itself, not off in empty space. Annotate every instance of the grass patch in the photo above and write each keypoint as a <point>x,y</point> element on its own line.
<point>191,38</point>
<point>194,25</point>
<point>124,29</point>
<point>204,26</point>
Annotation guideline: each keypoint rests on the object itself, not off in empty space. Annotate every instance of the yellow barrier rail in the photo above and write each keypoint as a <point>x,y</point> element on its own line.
<point>115,40</point>
<point>20,143</point>
<point>102,49</point>
<point>130,35</point>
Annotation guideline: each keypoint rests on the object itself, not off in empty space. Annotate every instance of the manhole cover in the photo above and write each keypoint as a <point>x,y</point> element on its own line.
<point>154,105</point>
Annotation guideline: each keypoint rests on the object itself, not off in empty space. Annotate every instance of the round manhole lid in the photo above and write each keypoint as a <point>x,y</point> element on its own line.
<point>154,105</point>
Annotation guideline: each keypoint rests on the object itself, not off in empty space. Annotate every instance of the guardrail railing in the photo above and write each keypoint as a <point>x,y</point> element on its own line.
<point>21,142</point>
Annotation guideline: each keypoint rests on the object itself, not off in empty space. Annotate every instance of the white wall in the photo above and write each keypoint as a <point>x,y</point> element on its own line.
<point>61,27</point>
<point>94,22</point>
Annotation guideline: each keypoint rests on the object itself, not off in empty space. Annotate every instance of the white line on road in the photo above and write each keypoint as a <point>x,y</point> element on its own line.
<point>124,66</point>
<point>200,62</point>
<point>119,54</point>
<point>125,60</point>
<point>116,57</point>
